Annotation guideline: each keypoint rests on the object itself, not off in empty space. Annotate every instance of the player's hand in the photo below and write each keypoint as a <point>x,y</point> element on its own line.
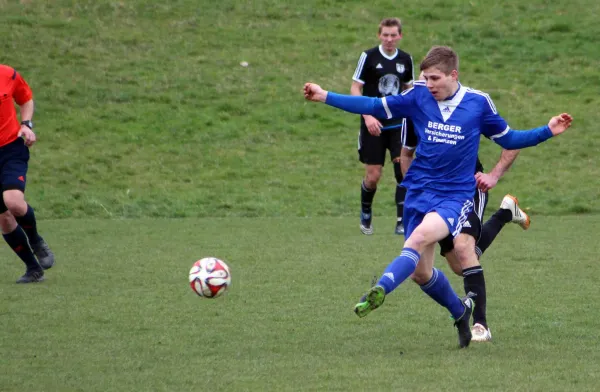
<point>314,92</point>
<point>28,135</point>
<point>485,181</point>
<point>559,124</point>
<point>373,125</point>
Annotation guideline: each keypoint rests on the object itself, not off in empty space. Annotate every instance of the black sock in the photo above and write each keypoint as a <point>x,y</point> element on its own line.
<point>491,228</point>
<point>17,240</point>
<point>366,198</point>
<point>474,282</point>
<point>29,225</point>
<point>400,195</point>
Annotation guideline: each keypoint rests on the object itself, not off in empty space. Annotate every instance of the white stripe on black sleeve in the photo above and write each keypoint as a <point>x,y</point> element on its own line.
<point>359,68</point>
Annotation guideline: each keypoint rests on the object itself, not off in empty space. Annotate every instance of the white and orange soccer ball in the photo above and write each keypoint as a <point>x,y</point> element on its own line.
<point>210,277</point>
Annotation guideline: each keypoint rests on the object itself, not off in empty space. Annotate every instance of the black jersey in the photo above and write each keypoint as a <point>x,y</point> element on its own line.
<point>410,140</point>
<point>383,75</point>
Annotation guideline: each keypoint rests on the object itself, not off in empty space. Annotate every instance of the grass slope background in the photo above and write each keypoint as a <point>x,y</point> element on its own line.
<point>144,110</point>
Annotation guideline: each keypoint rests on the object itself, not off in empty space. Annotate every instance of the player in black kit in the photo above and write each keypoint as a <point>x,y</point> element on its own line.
<point>381,71</point>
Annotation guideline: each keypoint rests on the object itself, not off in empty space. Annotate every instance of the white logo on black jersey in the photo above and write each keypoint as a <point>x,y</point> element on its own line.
<point>400,68</point>
<point>389,85</point>
<point>467,224</point>
<point>379,66</point>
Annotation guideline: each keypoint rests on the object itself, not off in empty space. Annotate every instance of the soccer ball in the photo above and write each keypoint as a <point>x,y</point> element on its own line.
<point>210,277</point>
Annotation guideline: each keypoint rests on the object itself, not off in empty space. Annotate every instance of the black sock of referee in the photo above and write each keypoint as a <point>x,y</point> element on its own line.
<point>491,228</point>
<point>17,240</point>
<point>29,225</point>
<point>366,198</point>
<point>474,282</point>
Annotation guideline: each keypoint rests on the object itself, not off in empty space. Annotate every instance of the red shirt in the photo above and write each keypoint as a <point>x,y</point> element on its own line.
<point>12,88</point>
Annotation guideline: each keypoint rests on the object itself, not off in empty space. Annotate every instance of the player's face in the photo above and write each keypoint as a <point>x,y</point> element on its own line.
<point>389,38</point>
<point>440,85</point>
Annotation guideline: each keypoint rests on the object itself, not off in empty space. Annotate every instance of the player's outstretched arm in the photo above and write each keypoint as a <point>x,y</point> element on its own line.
<point>559,124</point>
<point>513,140</point>
<point>348,103</point>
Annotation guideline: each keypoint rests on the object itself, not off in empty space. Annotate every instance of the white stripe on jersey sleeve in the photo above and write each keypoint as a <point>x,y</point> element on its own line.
<point>496,136</point>
<point>359,68</point>
<point>490,102</point>
<point>387,109</point>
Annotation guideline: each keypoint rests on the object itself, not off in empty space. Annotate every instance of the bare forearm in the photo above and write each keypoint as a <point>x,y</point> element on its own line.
<point>26,110</point>
<point>506,160</point>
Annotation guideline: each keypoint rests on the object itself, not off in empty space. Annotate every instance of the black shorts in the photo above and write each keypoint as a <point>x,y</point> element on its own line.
<point>473,224</point>
<point>371,149</point>
<point>14,158</point>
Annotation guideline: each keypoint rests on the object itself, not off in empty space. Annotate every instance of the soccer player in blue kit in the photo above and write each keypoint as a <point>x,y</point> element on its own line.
<point>449,119</point>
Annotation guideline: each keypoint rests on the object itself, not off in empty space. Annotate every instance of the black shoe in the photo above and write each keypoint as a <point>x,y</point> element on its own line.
<point>463,323</point>
<point>42,252</point>
<point>32,276</point>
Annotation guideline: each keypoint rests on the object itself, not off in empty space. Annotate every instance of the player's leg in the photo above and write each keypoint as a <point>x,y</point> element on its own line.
<point>367,193</point>
<point>371,152</point>
<point>14,178</point>
<point>509,211</point>
<point>14,200</point>
<point>395,147</point>
<point>16,238</point>
<point>474,283</point>
<point>401,267</point>
<point>447,251</point>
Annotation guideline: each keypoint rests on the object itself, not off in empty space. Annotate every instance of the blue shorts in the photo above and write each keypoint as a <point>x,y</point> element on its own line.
<point>14,157</point>
<point>419,203</point>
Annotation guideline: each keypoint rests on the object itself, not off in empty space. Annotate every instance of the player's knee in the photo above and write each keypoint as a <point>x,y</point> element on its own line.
<point>15,202</point>
<point>416,241</point>
<point>8,222</point>
<point>464,246</point>
<point>372,180</point>
<point>373,174</point>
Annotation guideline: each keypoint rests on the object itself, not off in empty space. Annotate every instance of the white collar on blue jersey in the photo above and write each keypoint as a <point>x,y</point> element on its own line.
<point>448,105</point>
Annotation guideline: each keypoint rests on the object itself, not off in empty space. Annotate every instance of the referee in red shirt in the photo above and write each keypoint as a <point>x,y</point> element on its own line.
<point>17,219</point>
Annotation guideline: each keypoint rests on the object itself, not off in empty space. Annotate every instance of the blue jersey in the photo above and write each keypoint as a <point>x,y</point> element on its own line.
<point>449,133</point>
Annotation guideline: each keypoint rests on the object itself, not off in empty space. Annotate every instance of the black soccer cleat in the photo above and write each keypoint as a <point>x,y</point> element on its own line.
<point>32,276</point>
<point>42,252</point>
<point>463,323</point>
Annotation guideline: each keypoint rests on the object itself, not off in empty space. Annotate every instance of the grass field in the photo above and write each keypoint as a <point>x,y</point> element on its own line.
<point>157,148</point>
<point>137,100</point>
<point>116,313</point>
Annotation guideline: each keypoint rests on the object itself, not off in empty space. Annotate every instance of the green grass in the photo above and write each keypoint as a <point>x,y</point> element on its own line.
<point>144,111</point>
<point>117,314</point>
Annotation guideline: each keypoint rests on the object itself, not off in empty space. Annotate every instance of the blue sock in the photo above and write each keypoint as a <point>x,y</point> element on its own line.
<point>440,290</point>
<point>399,269</point>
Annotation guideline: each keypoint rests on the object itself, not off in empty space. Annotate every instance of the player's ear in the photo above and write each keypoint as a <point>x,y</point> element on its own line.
<point>454,74</point>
